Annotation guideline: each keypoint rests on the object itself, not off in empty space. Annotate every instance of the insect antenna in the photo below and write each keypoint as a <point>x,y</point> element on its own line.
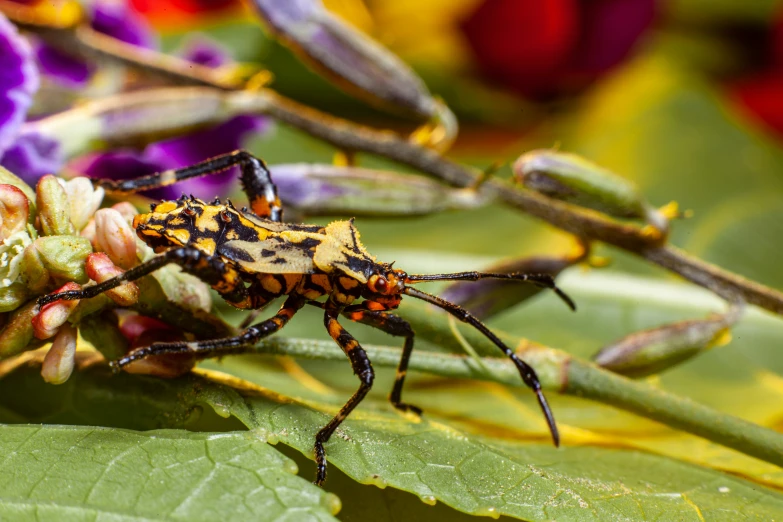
<point>540,280</point>
<point>525,370</point>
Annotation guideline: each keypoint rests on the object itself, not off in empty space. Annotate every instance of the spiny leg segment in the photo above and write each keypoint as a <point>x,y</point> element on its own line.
<point>256,181</point>
<point>394,325</point>
<point>361,367</point>
<point>214,347</point>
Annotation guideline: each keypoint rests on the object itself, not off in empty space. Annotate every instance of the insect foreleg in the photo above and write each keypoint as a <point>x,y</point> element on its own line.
<point>256,180</point>
<point>210,269</point>
<point>214,347</point>
<point>394,325</point>
<point>361,367</point>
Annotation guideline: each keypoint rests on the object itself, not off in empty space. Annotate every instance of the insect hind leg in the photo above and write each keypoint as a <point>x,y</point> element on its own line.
<point>214,347</point>
<point>256,181</point>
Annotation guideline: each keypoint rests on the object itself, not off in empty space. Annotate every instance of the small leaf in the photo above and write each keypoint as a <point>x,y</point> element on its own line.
<point>70,472</point>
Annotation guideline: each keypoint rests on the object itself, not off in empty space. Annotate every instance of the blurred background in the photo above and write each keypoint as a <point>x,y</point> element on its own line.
<point>683,96</point>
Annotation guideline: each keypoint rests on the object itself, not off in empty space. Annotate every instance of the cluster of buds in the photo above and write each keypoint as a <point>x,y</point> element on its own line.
<point>54,239</point>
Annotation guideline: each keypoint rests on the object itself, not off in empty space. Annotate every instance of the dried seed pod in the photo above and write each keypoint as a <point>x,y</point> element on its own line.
<point>100,268</point>
<point>115,236</point>
<point>53,207</point>
<point>59,360</point>
<point>657,349</point>
<point>83,200</point>
<point>345,55</point>
<point>571,178</point>
<point>53,315</point>
<point>14,211</point>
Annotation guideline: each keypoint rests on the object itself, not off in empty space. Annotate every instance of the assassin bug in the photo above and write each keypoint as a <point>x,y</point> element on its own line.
<point>251,257</point>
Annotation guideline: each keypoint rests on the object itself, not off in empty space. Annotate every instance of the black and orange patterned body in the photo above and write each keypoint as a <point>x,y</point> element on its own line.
<point>250,257</point>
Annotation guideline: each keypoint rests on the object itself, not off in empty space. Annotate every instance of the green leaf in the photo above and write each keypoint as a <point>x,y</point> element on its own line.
<point>80,473</point>
<point>472,473</point>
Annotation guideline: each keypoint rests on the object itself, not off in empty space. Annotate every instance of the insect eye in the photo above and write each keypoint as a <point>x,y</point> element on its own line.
<point>381,285</point>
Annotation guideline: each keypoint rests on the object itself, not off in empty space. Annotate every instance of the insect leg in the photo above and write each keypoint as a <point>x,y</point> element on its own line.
<point>236,344</point>
<point>256,181</point>
<point>394,325</point>
<point>210,269</point>
<point>361,367</point>
<point>527,373</point>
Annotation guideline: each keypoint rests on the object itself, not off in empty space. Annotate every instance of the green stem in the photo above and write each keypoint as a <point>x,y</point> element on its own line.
<point>570,376</point>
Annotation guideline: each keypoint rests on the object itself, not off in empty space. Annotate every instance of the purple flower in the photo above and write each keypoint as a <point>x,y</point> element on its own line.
<point>33,155</point>
<point>18,82</point>
<point>120,21</point>
<point>176,153</point>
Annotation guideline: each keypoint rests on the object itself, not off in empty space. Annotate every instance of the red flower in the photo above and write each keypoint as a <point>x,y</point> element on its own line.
<point>183,12</point>
<point>543,47</point>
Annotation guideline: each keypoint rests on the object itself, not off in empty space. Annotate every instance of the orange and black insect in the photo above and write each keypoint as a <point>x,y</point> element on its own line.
<point>250,257</point>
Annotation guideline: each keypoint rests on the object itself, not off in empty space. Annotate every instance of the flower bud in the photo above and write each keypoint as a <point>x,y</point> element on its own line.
<point>115,237</point>
<point>13,296</point>
<point>59,360</point>
<point>17,333</point>
<point>11,257</point>
<point>126,210</point>
<point>100,268</point>
<point>14,211</point>
<point>88,232</point>
<point>53,207</point>
<point>83,200</point>
<point>657,349</point>
<point>53,315</point>
<point>570,178</point>
<point>55,257</point>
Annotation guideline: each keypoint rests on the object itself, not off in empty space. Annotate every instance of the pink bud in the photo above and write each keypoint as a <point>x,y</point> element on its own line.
<point>14,210</point>
<point>59,360</point>
<point>100,268</point>
<point>89,232</point>
<point>126,209</point>
<point>52,316</point>
<point>115,237</point>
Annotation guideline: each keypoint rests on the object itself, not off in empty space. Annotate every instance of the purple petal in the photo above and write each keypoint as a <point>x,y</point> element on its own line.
<point>205,51</point>
<point>33,155</point>
<point>120,21</point>
<point>176,153</point>
<point>18,81</point>
<point>61,67</point>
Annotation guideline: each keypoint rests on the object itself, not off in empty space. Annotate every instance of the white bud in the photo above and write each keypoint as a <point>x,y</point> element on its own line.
<point>83,200</point>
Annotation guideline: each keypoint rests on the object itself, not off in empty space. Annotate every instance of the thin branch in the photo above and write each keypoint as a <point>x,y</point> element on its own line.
<point>560,371</point>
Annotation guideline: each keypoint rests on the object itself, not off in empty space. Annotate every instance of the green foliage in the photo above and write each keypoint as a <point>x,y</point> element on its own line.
<point>80,473</point>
